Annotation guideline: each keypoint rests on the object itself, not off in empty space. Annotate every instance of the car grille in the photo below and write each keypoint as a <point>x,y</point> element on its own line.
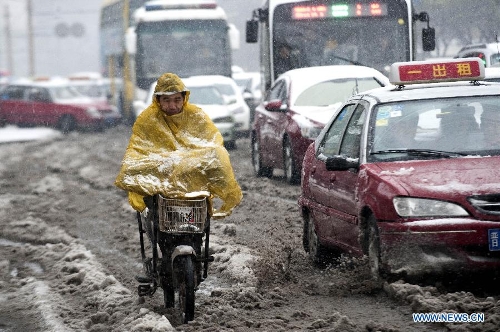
<point>489,204</point>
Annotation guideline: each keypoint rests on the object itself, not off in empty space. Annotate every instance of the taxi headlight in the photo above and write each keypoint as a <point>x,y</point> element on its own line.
<point>409,207</point>
<point>93,112</point>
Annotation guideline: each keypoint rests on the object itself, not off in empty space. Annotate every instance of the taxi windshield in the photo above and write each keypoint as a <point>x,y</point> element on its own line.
<point>61,93</point>
<point>436,128</point>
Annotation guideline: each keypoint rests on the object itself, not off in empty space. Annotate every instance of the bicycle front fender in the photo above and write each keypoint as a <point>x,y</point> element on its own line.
<point>183,250</point>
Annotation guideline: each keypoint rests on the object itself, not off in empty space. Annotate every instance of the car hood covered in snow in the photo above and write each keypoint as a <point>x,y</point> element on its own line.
<point>443,178</point>
<point>318,114</point>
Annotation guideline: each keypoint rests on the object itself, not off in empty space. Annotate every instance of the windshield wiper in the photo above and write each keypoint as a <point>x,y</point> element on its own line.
<point>352,62</point>
<point>422,152</point>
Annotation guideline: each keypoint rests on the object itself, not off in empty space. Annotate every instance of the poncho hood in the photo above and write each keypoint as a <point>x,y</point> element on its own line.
<point>176,155</point>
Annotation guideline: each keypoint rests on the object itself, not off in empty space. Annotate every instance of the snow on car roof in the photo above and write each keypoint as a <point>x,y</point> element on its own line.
<point>305,77</point>
<point>54,81</point>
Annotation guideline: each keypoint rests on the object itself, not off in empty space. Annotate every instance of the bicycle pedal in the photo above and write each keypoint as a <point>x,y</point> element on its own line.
<point>143,279</point>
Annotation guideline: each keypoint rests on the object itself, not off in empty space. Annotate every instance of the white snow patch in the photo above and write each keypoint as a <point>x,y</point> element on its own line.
<point>402,171</point>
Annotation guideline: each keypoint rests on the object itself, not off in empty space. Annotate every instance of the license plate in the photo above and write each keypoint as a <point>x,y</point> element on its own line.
<point>494,239</point>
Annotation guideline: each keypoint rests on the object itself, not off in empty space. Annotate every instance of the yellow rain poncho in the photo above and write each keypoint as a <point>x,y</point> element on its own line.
<point>178,154</point>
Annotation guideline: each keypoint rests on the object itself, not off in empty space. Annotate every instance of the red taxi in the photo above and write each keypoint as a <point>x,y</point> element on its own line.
<point>409,175</point>
<point>54,103</point>
<point>296,108</point>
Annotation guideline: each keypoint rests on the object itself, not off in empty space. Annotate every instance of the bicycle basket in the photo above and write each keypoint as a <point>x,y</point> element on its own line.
<point>182,215</point>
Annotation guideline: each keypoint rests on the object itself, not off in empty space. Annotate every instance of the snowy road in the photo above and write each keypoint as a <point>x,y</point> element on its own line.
<point>69,251</point>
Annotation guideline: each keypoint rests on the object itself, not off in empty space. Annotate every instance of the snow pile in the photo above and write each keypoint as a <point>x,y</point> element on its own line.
<point>233,262</point>
<point>427,299</point>
<point>11,133</point>
<point>66,266</point>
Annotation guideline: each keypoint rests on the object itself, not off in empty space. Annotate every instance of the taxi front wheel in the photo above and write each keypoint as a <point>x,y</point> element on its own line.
<point>374,249</point>
<point>317,251</point>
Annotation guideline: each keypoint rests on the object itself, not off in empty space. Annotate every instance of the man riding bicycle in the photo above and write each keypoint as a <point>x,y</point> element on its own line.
<point>176,153</point>
<point>175,149</point>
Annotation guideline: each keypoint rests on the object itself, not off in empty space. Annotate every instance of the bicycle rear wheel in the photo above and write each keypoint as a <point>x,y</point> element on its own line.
<point>186,286</point>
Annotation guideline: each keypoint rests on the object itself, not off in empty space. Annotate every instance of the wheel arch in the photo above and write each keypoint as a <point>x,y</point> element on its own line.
<point>364,216</point>
<point>306,219</point>
<point>287,137</point>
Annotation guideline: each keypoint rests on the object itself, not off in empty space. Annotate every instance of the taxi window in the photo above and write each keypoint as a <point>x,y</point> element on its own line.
<point>494,59</point>
<point>13,93</point>
<point>352,137</point>
<point>38,95</point>
<point>330,145</point>
<point>277,92</point>
<point>452,125</point>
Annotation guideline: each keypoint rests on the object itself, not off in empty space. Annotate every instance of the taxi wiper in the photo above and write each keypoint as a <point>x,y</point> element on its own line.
<point>422,152</point>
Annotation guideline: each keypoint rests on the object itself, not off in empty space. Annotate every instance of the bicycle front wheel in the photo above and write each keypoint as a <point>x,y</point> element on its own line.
<point>186,283</point>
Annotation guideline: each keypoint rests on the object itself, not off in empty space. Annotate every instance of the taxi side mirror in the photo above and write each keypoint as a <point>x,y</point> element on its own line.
<point>341,163</point>
<point>275,106</point>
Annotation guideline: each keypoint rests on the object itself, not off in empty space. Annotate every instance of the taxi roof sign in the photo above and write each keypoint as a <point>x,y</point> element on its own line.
<point>463,69</point>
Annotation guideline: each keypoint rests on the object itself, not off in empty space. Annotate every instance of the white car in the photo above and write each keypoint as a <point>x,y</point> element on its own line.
<point>228,87</point>
<point>492,74</point>
<point>489,53</point>
<point>211,100</point>
<point>249,84</point>
<point>101,89</point>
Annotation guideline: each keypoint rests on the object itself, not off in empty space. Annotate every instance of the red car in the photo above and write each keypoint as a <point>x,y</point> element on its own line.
<point>55,104</point>
<point>295,110</point>
<point>408,175</point>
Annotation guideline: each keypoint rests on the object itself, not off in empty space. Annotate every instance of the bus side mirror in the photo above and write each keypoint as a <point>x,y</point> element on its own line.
<point>428,39</point>
<point>234,37</point>
<point>252,31</point>
<point>131,41</point>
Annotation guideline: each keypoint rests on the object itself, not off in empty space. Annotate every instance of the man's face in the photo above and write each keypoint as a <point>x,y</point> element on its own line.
<point>171,104</point>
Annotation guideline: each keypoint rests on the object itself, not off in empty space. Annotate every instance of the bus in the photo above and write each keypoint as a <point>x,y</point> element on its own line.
<point>305,33</point>
<point>141,40</point>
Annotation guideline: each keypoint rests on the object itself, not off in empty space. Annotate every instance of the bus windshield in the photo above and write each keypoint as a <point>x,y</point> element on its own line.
<point>189,47</point>
<point>308,40</point>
